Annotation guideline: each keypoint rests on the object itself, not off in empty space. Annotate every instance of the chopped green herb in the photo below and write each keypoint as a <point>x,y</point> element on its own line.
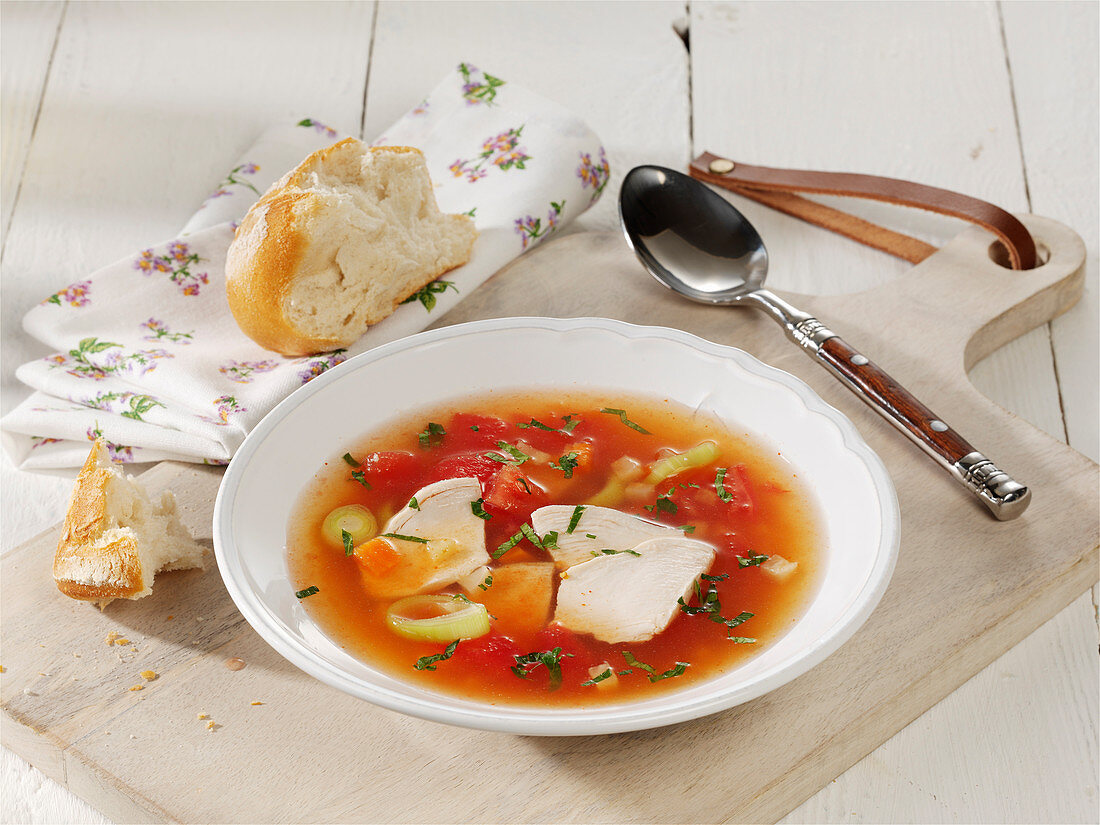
<point>351,461</point>
<point>570,423</point>
<point>538,424</point>
<point>607,551</point>
<point>752,561</point>
<point>740,618</point>
<point>550,540</point>
<point>567,463</point>
<point>417,539</point>
<point>517,456</point>
<point>663,504</point>
<point>349,542</point>
<point>508,545</point>
<point>479,511</point>
<point>309,591</point>
<point>742,640</point>
<point>460,597</point>
<point>595,680</point>
<point>431,436</point>
<point>474,427</point>
<point>710,605</point>
<point>687,528</point>
<point>532,536</point>
<point>625,420</point>
<point>626,672</point>
<point>487,583</point>
<point>426,294</point>
<point>575,519</point>
<point>522,481</point>
<point>676,670</point>
<point>357,475</point>
<point>428,662</point>
<point>720,477</point>
<point>414,504</point>
<point>720,578</point>
<point>590,535</point>
<point>550,659</point>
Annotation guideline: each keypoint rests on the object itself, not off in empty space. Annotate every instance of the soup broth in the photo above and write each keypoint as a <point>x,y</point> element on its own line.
<point>529,451</point>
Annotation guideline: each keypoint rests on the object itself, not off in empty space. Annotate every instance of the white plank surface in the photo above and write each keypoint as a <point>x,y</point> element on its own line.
<point>147,102</point>
<point>922,91</point>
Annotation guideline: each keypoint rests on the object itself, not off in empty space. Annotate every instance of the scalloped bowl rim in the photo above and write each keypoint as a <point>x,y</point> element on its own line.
<point>666,709</point>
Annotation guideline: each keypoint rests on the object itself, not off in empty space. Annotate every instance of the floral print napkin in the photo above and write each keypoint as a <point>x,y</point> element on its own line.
<point>146,352</point>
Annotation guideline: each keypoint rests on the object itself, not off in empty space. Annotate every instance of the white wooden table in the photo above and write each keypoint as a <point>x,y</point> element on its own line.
<point>117,120</point>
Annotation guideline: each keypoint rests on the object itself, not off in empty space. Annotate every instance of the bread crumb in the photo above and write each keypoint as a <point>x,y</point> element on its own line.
<point>170,617</point>
<point>138,687</point>
<point>235,663</point>
<point>211,725</point>
<point>2,669</point>
<point>132,736</point>
<point>257,703</point>
<point>148,675</point>
<point>29,692</point>
<point>203,716</point>
<point>110,640</point>
<point>122,641</point>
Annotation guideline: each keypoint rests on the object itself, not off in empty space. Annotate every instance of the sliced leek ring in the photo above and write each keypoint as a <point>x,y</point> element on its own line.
<point>354,519</point>
<point>459,619</point>
<point>698,456</point>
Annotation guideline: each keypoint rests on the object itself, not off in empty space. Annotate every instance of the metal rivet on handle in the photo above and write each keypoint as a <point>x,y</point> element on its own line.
<point>937,425</point>
<point>721,166</point>
<point>860,360</point>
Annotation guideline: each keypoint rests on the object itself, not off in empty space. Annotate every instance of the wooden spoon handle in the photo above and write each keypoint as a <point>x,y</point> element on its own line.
<point>1006,498</point>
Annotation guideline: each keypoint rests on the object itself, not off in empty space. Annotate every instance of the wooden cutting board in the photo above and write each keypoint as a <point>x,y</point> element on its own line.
<point>966,589</point>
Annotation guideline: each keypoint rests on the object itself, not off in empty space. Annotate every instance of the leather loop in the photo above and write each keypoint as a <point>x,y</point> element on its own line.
<point>775,188</point>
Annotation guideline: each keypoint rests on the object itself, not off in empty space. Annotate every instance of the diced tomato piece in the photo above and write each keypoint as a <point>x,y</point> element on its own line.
<point>377,557</point>
<point>739,486</point>
<point>390,470</point>
<point>490,430</point>
<point>492,653</point>
<point>511,491</point>
<point>469,465</point>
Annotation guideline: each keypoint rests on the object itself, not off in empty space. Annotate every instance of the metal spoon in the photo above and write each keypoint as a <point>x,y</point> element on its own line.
<point>695,243</point>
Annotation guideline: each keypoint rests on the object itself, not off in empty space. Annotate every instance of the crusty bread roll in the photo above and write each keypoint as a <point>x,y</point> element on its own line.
<point>115,539</point>
<point>337,244</point>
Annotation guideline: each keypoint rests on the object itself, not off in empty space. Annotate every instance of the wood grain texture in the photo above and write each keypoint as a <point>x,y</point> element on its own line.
<point>27,38</point>
<point>938,631</point>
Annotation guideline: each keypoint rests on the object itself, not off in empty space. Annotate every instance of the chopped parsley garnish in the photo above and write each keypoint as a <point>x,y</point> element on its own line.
<point>417,539</point>
<point>532,536</point>
<point>625,420</point>
<point>607,551</point>
<point>663,504</point>
<point>357,475</point>
<point>575,519</point>
<point>535,423</point>
<point>550,659</point>
<point>523,482</point>
<point>550,540</point>
<point>351,461</point>
<point>428,662</point>
<point>479,511</point>
<point>487,583</point>
<point>431,436</point>
<point>567,463</point>
<point>570,423</point>
<point>720,477</point>
<point>507,545</point>
<point>349,542</point>
<point>676,670</point>
<point>710,605</point>
<point>414,504</point>
<point>309,591</point>
<point>474,427</point>
<point>517,456</point>
<point>687,528</point>
<point>590,535</point>
<point>597,679</point>
<point>426,294</point>
<point>460,597</point>
<point>626,672</point>
<point>752,561</point>
<point>742,640</point>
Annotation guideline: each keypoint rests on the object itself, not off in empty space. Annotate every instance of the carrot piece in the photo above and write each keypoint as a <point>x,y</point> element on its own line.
<point>377,556</point>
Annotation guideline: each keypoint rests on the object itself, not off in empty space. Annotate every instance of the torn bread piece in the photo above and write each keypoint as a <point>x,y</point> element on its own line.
<point>337,244</point>
<point>115,539</point>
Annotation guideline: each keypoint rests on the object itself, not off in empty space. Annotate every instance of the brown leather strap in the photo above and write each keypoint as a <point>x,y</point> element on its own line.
<point>775,188</point>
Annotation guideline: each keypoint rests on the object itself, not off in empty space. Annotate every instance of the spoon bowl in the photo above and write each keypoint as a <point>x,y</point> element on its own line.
<point>697,244</point>
<point>689,237</point>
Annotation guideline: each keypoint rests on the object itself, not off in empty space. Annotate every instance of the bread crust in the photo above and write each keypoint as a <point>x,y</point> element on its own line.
<point>270,246</point>
<point>84,522</point>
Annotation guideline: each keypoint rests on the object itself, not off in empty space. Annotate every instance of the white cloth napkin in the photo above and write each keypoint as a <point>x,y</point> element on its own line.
<point>147,352</point>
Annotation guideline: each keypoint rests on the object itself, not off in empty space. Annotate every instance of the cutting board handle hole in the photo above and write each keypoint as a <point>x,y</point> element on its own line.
<point>999,254</point>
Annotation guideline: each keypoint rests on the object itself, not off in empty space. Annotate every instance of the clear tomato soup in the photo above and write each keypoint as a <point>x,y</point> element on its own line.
<point>747,503</point>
